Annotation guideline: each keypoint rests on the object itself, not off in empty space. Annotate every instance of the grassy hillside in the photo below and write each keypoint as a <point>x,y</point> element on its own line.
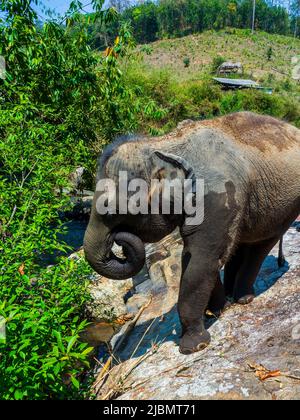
<point>232,44</point>
<point>172,79</point>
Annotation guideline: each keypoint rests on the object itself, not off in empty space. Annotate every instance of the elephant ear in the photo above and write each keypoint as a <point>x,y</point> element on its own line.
<point>169,167</point>
<point>181,164</point>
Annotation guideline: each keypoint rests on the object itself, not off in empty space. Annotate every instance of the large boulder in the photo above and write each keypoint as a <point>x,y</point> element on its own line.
<point>254,354</point>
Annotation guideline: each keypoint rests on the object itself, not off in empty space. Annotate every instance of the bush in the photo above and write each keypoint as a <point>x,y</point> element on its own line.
<point>164,101</point>
<point>152,95</point>
<point>43,357</point>
<point>270,53</point>
<point>199,91</point>
<point>216,63</point>
<point>278,106</point>
<point>147,49</point>
<point>186,61</point>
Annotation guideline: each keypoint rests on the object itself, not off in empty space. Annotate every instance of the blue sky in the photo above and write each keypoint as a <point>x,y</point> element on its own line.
<point>60,6</point>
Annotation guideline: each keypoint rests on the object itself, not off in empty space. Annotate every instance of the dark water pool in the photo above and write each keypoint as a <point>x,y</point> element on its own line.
<point>73,237</point>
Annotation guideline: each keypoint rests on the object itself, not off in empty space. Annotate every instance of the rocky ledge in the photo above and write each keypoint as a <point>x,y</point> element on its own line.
<point>255,349</point>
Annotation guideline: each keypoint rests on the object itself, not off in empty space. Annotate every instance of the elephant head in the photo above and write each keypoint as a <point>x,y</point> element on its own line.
<point>128,231</point>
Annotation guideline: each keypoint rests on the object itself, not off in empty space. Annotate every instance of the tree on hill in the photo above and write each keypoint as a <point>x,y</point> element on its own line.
<point>119,5</point>
<point>295,10</point>
<point>152,20</point>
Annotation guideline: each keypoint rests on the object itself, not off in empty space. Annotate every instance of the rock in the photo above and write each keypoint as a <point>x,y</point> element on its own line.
<point>97,333</point>
<point>163,249</point>
<point>164,263</point>
<point>76,178</point>
<point>108,298</point>
<point>81,208</point>
<point>246,340</point>
<point>184,124</point>
<point>230,67</point>
<point>112,299</point>
<point>135,303</point>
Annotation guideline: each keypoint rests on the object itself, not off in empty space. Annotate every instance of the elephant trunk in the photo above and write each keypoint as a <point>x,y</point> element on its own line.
<point>98,242</point>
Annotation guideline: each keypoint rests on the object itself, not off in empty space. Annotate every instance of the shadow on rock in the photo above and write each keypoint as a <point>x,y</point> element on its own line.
<point>269,274</point>
<point>159,325</point>
<point>151,332</point>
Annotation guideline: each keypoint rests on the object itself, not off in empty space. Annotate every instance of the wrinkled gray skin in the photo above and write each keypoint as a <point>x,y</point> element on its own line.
<point>251,169</point>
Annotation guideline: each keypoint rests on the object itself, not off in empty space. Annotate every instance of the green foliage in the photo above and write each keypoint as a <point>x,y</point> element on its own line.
<point>116,109</point>
<point>198,91</point>
<point>147,49</point>
<point>152,20</point>
<point>186,61</point>
<point>143,18</point>
<point>200,99</point>
<point>43,357</point>
<point>216,63</point>
<point>253,100</point>
<point>270,53</point>
<point>58,103</point>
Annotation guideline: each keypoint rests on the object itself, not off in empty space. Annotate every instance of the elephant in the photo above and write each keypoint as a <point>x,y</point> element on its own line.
<point>250,166</point>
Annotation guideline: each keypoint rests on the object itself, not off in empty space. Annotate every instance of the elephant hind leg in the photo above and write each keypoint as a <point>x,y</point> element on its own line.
<point>253,257</point>
<point>231,269</point>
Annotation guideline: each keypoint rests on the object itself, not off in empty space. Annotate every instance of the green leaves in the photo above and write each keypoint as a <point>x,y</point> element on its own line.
<point>59,104</point>
<point>49,108</point>
<point>43,345</point>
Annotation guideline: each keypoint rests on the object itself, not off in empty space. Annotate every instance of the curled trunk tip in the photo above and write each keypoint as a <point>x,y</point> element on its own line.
<point>100,256</point>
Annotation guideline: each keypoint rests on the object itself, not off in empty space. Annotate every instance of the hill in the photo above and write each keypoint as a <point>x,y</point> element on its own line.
<point>171,79</point>
<point>231,44</point>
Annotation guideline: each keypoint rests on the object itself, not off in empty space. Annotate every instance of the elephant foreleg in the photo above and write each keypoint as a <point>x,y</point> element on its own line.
<point>199,277</point>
